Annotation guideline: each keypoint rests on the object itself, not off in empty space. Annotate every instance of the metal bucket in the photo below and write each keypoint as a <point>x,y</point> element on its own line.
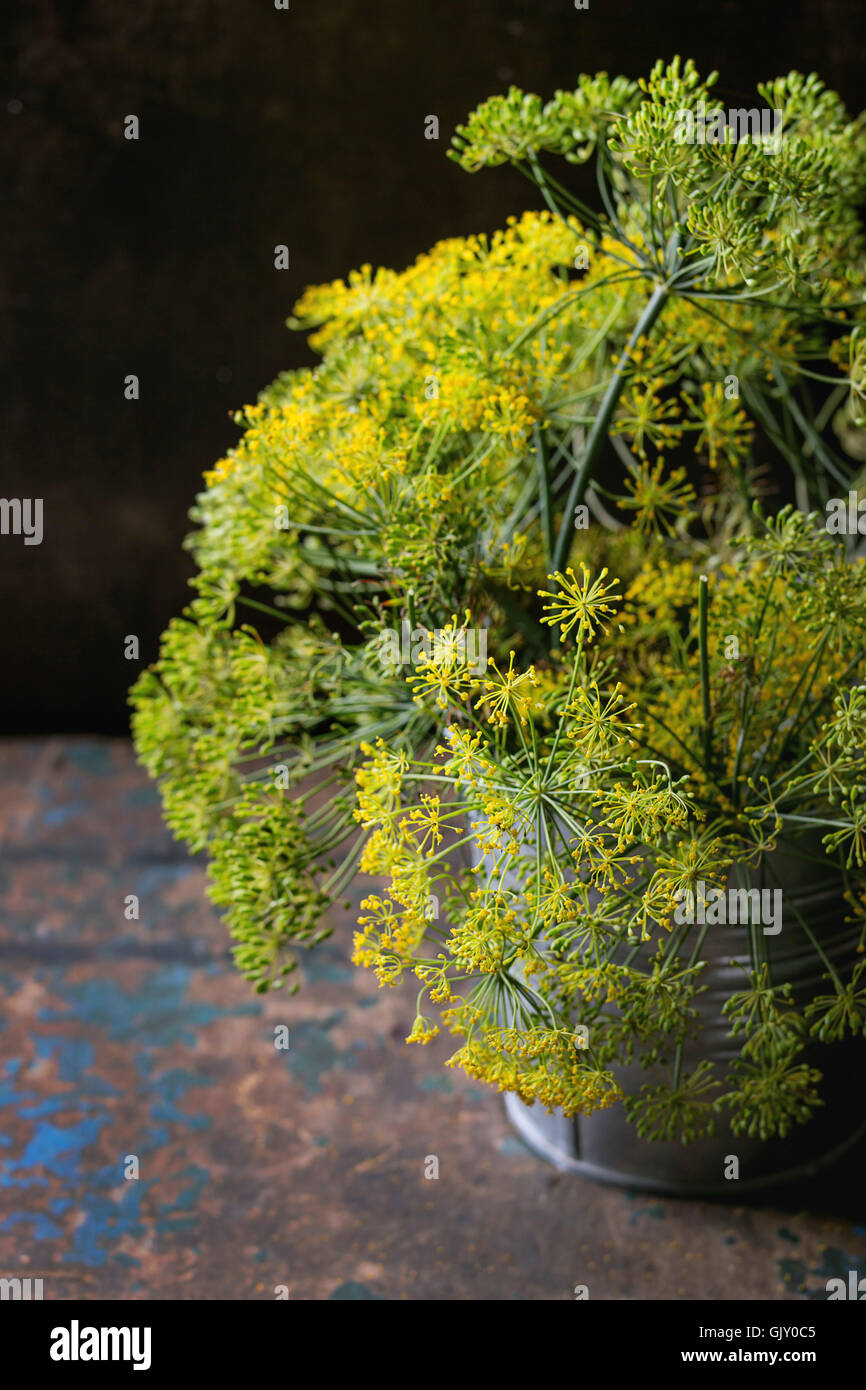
<point>606,1147</point>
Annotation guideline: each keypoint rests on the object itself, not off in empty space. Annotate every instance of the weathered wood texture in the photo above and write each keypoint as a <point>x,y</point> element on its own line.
<point>304,1167</point>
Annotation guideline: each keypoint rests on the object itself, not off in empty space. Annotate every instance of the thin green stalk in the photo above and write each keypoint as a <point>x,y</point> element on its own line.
<point>703,606</point>
<point>598,433</point>
<point>544,495</point>
<point>578,654</point>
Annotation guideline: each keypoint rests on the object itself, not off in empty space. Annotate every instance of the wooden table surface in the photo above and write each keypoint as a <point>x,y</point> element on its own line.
<point>131,1045</point>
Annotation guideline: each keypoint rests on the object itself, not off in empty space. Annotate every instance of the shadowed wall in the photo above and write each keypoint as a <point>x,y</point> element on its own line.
<point>156,256</point>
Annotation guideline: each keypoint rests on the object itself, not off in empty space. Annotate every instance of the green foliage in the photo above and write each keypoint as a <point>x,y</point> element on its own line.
<point>659,362</point>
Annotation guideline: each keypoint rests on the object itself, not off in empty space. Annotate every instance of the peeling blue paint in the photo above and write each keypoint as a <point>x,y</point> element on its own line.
<point>314,1053</point>
<point>157,876</point>
<point>656,1213</point>
<point>56,1149</point>
<point>436,1082</point>
<point>162,1001</point>
<point>93,757</point>
<point>353,1290</point>
<point>515,1146</point>
<point>190,1195</point>
<point>59,815</point>
<point>52,1152</point>
<point>43,1229</point>
<point>327,964</point>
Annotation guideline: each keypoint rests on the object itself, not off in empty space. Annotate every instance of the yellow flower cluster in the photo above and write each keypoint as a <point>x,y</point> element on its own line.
<point>508,692</point>
<point>423,1031</point>
<point>724,429</point>
<point>386,939</point>
<point>468,402</point>
<point>658,591</point>
<point>446,671</point>
<point>581,603</point>
<point>433,383</point>
<point>545,1065</point>
<point>495,821</point>
<point>488,930</point>
<point>379,781</point>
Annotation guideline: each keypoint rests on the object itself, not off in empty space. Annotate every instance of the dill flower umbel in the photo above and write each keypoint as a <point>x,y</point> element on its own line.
<point>508,692</point>
<point>543,1066</point>
<point>579,603</point>
<point>446,670</point>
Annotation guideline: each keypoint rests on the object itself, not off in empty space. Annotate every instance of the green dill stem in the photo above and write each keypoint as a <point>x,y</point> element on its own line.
<point>678,1066</point>
<point>578,655</point>
<point>703,605</point>
<point>598,433</point>
<point>345,872</point>
<point>263,608</point>
<point>544,495</point>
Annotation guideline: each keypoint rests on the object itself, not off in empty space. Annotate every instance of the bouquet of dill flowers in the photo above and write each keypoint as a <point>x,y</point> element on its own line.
<point>610,797</point>
<point>391,659</point>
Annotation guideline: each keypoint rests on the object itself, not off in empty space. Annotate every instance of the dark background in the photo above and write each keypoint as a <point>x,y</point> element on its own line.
<point>155,257</point>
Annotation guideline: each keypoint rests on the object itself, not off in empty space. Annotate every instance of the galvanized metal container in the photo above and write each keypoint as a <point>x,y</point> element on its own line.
<point>606,1147</point>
